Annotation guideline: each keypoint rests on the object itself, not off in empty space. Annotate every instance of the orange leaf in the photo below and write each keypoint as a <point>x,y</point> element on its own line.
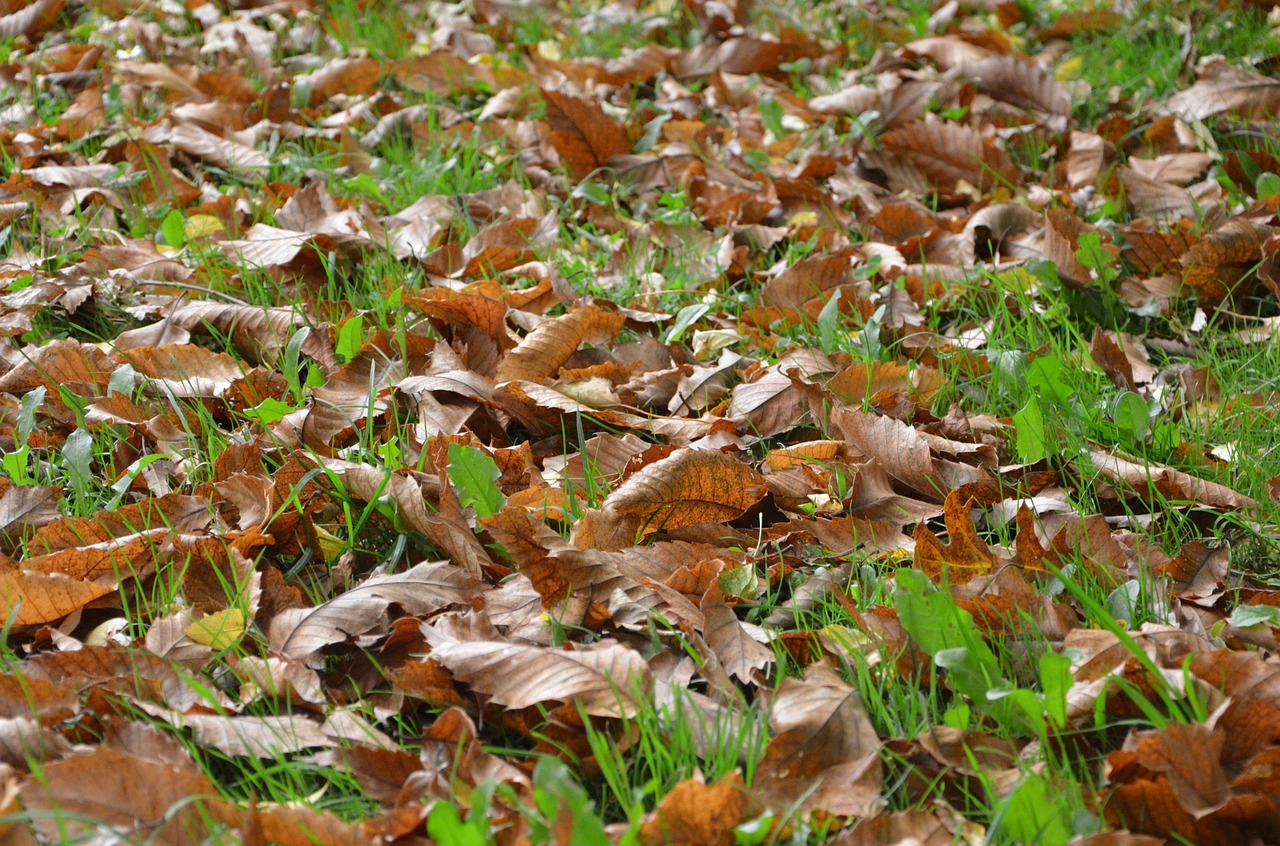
<point>964,556</point>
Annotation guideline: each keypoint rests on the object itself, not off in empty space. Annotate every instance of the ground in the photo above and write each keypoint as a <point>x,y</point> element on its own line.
<point>693,423</point>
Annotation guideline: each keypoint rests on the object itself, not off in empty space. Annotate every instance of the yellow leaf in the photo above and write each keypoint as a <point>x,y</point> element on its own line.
<point>219,630</point>
<point>1069,70</point>
<point>200,225</point>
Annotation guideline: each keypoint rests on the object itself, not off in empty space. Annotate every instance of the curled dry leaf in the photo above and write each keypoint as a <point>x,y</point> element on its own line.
<point>301,632</point>
<point>1153,479</point>
<point>546,348</point>
<point>603,678</point>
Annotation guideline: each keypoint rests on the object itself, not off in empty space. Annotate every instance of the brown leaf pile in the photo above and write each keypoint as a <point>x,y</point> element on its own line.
<point>264,550</point>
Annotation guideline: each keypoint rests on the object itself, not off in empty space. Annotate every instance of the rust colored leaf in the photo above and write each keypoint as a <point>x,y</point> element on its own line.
<point>964,556</point>
<point>584,136</point>
<point>949,154</point>
<point>1214,266</point>
<point>696,814</point>
<point>690,486</point>
<point>81,367</point>
<point>31,598</point>
<point>544,350</point>
<point>171,803</point>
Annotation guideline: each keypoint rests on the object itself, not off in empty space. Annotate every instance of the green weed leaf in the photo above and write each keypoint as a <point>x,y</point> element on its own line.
<point>771,115</point>
<point>174,229</point>
<point>475,475</point>
<point>350,338</point>
<point>1032,438</point>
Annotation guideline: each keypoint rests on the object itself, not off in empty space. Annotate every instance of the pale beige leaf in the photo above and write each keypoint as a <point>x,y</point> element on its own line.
<point>739,653</point>
<point>601,678</point>
<point>300,632</point>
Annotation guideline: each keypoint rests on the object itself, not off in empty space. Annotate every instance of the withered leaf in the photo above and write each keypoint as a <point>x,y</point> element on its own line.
<point>301,632</point>
<point>1208,265</point>
<point>964,556</point>
<point>950,154</point>
<point>687,487</point>
<point>584,136</point>
<point>545,349</point>
<point>30,598</point>
<point>739,653</point>
<point>696,814</point>
<point>824,754</point>
<point>172,803</point>
<point>602,678</point>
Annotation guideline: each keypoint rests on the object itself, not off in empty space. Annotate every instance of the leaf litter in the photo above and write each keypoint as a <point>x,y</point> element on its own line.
<point>417,395</point>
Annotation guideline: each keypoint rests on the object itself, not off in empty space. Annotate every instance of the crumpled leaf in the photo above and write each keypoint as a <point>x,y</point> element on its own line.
<point>602,678</point>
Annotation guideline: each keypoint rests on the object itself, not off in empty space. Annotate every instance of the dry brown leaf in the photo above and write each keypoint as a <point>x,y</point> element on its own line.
<point>693,813</point>
<point>964,556</point>
<point>739,653</point>
<point>950,155</point>
<point>1154,479</point>
<point>602,678</point>
<point>1224,88</point>
<point>544,350</point>
<point>27,507</point>
<point>584,136</point>
<point>824,754</point>
<point>301,632</point>
<point>688,487</point>
<point>27,599</point>
<point>1215,265</point>
<point>169,803</point>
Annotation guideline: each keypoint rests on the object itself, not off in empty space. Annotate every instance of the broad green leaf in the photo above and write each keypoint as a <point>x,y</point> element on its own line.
<point>475,476</point>
<point>1130,413</point>
<point>269,411</point>
<point>350,338</point>
<point>1055,682</point>
<point>771,115</point>
<point>1032,439</point>
<point>445,825</point>
<point>1245,616</point>
<point>1032,814</point>
<point>685,318</point>
<point>174,229</point>
<point>1047,374</point>
<point>1268,185</point>
<point>829,323</point>
<point>77,457</point>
